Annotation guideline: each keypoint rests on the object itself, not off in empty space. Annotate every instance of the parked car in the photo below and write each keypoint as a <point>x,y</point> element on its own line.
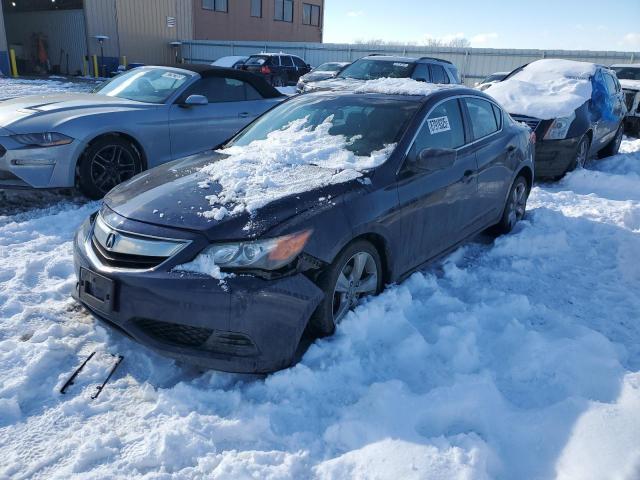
<point>232,61</point>
<point>576,110</point>
<point>137,120</point>
<point>279,69</point>
<point>223,259</point>
<point>322,72</point>
<point>629,76</point>
<point>490,80</point>
<point>372,67</point>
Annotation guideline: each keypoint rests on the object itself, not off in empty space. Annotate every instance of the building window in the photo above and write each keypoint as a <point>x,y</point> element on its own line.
<point>256,8</point>
<point>216,5</point>
<point>283,10</point>
<point>311,14</point>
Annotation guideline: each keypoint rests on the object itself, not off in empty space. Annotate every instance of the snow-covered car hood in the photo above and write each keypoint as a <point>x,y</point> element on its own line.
<point>72,105</point>
<point>333,84</point>
<point>172,195</point>
<point>546,89</point>
<point>630,84</point>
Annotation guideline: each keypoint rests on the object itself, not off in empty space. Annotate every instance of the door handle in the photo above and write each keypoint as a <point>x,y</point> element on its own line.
<point>244,115</point>
<point>467,176</point>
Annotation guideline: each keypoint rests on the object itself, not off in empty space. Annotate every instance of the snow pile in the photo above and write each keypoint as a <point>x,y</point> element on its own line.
<point>630,84</point>
<point>295,159</point>
<point>546,89</point>
<point>400,86</point>
<point>517,358</point>
<point>10,88</point>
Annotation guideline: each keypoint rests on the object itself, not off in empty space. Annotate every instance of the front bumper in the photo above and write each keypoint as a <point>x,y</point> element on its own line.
<point>244,325</point>
<point>555,157</point>
<point>50,167</point>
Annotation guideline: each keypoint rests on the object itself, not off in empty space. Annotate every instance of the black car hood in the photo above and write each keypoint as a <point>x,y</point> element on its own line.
<point>170,196</point>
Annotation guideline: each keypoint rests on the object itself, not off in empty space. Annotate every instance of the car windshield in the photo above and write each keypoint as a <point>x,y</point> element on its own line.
<point>329,67</point>
<point>496,77</point>
<point>370,123</point>
<point>627,73</point>
<point>149,85</point>
<point>256,60</point>
<point>366,69</point>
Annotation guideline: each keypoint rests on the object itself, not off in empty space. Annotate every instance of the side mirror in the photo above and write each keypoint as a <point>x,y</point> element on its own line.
<point>196,100</point>
<point>433,159</point>
<point>309,66</point>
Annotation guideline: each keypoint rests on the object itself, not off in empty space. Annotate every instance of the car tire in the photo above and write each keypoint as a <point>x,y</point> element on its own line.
<point>106,163</point>
<point>279,81</point>
<point>342,286</point>
<point>581,158</point>
<point>613,146</point>
<point>515,207</point>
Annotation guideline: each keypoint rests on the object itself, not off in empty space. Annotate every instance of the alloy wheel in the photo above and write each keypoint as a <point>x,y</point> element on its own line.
<point>517,204</point>
<point>112,165</point>
<point>358,278</point>
<point>582,154</point>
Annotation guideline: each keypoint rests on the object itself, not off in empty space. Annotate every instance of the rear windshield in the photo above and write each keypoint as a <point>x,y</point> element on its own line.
<point>370,123</point>
<point>627,73</point>
<point>367,69</point>
<point>257,60</point>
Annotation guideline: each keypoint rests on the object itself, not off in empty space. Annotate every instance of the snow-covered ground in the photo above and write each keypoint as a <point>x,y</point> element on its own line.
<point>512,359</point>
<point>10,87</point>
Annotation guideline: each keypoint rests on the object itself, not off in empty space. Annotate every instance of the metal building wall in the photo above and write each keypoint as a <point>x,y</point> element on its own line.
<point>64,30</point>
<point>473,63</point>
<point>101,19</point>
<point>4,53</point>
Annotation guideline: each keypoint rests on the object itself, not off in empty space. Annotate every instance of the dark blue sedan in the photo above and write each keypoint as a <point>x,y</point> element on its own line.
<point>224,259</point>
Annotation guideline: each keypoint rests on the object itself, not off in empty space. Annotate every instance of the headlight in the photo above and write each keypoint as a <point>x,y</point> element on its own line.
<point>270,254</point>
<point>559,128</point>
<point>49,139</point>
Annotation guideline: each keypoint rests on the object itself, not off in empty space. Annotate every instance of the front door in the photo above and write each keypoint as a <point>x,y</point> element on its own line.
<point>232,105</point>
<point>437,207</point>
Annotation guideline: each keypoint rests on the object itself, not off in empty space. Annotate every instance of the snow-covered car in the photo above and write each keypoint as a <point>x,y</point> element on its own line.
<point>490,80</point>
<point>372,67</point>
<point>321,72</point>
<point>231,61</point>
<point>576,110</point>
<point>222,259</point>
<point>137,120</point>
<point>629,77</point>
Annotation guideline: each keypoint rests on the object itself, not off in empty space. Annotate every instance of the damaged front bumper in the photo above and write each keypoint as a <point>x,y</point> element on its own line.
<point>244,324</point>
<point>555,157</point>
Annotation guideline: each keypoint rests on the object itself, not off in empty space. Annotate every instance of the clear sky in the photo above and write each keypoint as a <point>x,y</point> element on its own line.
<point>544,24</point>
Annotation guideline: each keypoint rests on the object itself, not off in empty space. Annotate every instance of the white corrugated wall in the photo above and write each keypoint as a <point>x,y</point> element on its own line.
<point>4,53</point>
<point>64,30</point>
<point>473,63</point>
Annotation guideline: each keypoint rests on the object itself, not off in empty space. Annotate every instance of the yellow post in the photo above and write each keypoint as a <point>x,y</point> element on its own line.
<point>96,73</point>
<point>124,61</point>
<point>85,66</point>
<point>14,65</point>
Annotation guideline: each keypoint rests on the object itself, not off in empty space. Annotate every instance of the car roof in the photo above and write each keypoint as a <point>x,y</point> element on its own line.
<point>271,54</point>
<point>453,89</point>
<point>623,65</point>
<point>398,58</point>
<point>256,81</point>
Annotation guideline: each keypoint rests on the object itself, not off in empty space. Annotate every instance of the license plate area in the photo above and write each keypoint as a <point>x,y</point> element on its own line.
<point>96,290</point>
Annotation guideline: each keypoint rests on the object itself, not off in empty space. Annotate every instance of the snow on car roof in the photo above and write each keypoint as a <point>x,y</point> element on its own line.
<point>401,86</point>
<point>546,89</point>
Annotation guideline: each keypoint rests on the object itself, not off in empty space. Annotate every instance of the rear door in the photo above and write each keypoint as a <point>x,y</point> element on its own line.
<point>232,105</point>
<point>436,206</point>
<point>288,68</point>
<point>301,67</point>
<point>494,155</point>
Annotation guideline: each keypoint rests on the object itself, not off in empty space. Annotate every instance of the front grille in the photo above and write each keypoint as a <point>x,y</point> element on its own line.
<point>123,260</point>
<point>174,334</point>
<point>531,122</point>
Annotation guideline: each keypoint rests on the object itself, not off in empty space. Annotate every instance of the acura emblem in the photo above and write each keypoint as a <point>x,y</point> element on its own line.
<point>111,240</point>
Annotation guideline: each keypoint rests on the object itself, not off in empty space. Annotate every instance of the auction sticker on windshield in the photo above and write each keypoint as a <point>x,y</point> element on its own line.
<point>172,75</point>
<point>438,125</point>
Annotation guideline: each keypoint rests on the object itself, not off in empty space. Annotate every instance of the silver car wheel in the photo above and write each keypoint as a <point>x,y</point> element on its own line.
<point>358,278</point>
<point>582,154</point>
<point>517,204</point>
<point>111,166</point>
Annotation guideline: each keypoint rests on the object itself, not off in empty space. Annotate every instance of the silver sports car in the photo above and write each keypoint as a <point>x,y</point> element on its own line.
<point>137,120</point>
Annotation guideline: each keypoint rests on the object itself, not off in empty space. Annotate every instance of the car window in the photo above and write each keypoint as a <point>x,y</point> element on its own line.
<point>368,69</point>
<point>438,75</point>
<point>611,83</point>
<point>151,85</point>
<point>627,73</point>
<point>498,114</point>
<point>422,72</point>
<point>257,60</point>
<point>220,89</point>
<point>299,62</point>
<point>483,119</point>
<point>286,61</point>
<point>443,128</point>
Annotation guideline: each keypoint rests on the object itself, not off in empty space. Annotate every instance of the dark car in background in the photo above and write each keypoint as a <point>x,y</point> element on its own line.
<point>629,77</point>
<point>373,67</point>
<point>280,69</point>
<point>489,80</point>
<point>576,110</point>
<point>321,72</point>
<point>436,169</point>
